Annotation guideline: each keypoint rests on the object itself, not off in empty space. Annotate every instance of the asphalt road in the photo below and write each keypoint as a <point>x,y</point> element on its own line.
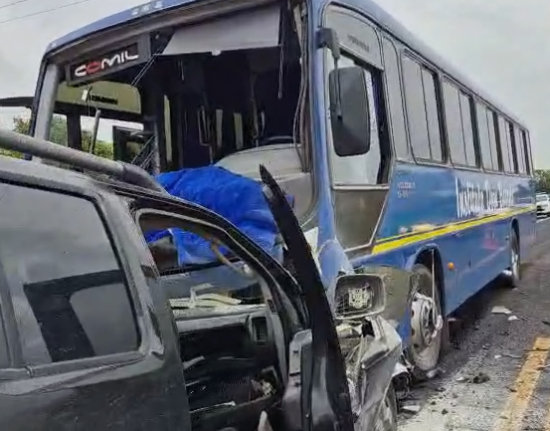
<point>496,374</point>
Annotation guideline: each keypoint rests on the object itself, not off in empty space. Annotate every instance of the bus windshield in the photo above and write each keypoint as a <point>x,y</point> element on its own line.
<point>224,92</point>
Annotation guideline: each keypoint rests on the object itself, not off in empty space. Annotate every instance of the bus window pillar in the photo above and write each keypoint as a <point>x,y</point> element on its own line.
<point>152,102</point>
<point>74,132</point>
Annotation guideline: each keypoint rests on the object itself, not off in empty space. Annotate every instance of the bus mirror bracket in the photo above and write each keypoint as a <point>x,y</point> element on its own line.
<point>328,38</point>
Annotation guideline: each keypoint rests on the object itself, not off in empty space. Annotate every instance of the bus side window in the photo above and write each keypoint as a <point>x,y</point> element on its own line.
<point>518,145</point>
<point>422,112</point>
<point>505,145</point>
<point>459,116</point>
<point>454,123</point>
<point>495,152</point>
<point>484,137</point>
<point>395,99</point>
<point>467,128</point>
<point>527,152</point>
<point>513,150</point>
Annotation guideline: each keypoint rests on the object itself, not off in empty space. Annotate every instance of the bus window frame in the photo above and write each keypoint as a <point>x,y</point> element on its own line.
<point>490,111</point>
<point>356,16</point>
<point>398,47</point>
<point>474,99</point>
<point>407,52</point>
<point>44,100</point>
<point>462,90</point>
<point>526,141</point>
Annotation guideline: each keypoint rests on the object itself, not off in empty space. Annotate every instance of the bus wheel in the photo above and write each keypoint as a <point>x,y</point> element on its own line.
<point>427,324</point>
<point>515,259</point>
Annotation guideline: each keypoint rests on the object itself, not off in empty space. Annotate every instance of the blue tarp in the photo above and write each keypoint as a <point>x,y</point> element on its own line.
<point>238,199</point>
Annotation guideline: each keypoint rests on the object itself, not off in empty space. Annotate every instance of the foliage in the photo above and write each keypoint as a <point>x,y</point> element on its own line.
<point>58,134</point>
<point>542,177</point>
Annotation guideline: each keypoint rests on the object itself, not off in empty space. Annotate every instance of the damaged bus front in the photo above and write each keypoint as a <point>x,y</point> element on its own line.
<point>200,94</point>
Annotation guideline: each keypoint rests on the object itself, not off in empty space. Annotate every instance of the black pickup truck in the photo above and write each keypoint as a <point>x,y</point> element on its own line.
<point>100,330</point>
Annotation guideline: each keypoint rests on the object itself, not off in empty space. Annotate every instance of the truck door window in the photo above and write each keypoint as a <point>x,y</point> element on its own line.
<point>69,292</point>
<point>192,264</point>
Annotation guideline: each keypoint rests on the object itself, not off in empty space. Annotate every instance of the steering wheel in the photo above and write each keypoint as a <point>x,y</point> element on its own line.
<point>282,139</point>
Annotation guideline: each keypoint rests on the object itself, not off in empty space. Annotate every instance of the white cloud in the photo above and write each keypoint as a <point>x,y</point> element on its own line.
<point>501,45</point>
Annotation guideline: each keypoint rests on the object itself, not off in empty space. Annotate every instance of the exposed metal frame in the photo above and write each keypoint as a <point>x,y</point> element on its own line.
<point>124,172</point>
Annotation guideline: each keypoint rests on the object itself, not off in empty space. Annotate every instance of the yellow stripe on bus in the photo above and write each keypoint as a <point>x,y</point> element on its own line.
<point>392,243</point>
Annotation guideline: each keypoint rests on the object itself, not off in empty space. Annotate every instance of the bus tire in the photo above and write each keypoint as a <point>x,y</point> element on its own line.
<point>426,344</point>
<point>515,259</point>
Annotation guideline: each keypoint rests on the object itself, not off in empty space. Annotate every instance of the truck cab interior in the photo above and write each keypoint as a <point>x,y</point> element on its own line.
<point>233,339</point>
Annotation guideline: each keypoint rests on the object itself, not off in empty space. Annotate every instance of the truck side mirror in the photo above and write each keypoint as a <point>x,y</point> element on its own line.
<point>359,296</point>
<point>349,111</point>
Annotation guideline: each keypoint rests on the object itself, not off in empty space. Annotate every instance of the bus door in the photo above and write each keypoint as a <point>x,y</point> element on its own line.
<point>359,179</point>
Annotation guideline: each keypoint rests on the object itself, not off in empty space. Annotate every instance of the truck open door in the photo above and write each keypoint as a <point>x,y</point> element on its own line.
<point>316,363</point>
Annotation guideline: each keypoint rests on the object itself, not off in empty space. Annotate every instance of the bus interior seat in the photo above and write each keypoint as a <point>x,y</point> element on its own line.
<point>283,161</point>
<point>223,87</point>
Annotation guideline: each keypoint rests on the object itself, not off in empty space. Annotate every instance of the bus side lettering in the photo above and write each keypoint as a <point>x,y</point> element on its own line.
<point>475,199</point>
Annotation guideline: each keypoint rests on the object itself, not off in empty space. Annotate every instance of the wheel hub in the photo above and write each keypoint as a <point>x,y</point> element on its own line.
<point>426,322</point>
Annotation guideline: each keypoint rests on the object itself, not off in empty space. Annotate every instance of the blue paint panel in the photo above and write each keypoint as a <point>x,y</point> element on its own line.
<point>426,195</point>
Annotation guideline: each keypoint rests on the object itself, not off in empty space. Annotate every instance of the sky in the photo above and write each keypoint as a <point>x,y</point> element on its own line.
<point>500,45</point>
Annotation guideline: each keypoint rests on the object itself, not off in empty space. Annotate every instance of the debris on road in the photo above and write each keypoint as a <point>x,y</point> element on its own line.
<point>476,379</point>
<point>480,378</point>
<point>411,409</point>
<point>434,373</point>
<point>511,356</point>
<point>496,377</point>
<point>499,309</point>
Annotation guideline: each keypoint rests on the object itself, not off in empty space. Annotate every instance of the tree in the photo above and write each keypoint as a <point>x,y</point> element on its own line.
<point>58,135</point>
<point>542,178</point>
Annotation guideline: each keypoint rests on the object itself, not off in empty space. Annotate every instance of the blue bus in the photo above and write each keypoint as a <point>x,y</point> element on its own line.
<point>393,157</point>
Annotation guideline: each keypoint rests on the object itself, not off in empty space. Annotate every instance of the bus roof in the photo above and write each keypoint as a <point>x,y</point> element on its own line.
<point>117,19</point>
<point>369,7</point>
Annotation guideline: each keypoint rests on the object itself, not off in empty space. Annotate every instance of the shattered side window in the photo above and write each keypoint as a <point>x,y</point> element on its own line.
<point>200,273</point>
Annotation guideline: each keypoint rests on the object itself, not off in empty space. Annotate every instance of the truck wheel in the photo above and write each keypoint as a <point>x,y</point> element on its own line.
<point>427,325</point>
<point>387,415</point>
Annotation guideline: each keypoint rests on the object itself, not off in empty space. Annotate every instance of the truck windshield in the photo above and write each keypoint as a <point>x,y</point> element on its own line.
<point>224,92</point>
